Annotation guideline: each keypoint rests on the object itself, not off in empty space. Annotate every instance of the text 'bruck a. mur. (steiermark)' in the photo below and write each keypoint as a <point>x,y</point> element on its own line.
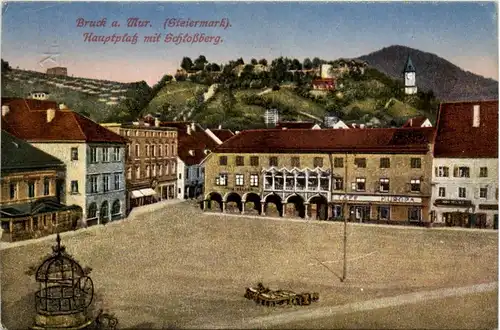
<point>157,37</point>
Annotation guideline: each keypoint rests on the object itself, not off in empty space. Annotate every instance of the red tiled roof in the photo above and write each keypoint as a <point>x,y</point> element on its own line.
<point>415,122</point>
<point>27,120</point>
<point>223,134</point>
<point>198,141</point>
<point>295,124</point>
<point>456,138</point>
<point>375,140</point>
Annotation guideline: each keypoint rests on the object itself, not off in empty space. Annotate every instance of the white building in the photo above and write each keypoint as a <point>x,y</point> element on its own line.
<point>465,175</point>
<point>193,145</point>
<point>93,155</point>
<point>410,77</point>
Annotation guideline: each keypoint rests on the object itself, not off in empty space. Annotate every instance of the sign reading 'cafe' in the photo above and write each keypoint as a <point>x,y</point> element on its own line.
<point>382,199</point>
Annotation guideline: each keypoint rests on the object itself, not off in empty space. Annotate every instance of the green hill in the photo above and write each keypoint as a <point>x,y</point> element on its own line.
<point>94,98</point>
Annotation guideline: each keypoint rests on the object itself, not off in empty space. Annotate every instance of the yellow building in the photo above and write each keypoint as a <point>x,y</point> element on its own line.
<point>367,175</point>
<point>31,180</point>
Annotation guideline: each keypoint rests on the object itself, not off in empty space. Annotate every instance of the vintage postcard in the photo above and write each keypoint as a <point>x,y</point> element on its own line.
<point>249,165</point>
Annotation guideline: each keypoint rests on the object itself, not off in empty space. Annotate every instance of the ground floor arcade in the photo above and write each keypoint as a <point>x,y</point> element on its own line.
<point>318,207</point>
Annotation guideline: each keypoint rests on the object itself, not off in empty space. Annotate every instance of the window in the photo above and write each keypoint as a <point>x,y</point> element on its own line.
<point>222,160</point>
<point>442,192</point>
<point>74,187</point>
<point>153,150</point>
<point>239,179</point>
<point>180,176</point>
<point>137,151</point>
<point>384,185</point>
<point>442,171</point>
<point>483,193</point>
<point>496,194</point>
<point>116,154</point>
<point>415,185</point>
<point>461,172</point>
<point>160,151</point>
<point>385,162</point>
<point>337,211</point>
<point>46,187</point>
<point>167,150</point>
<point>105,154</point>
<point>273,161</point>
<point>105,182</point>
<point>384,212</point>
<point>414,213</point>
<point>74,153</point>
<point>129,151</point>
<point>483,172</point>
<point>129,173</point>
<point>138,172</point>
<point>154,170</point>
<point>360,184</point>
<point>12,190</point>
<point>318,162</point>
<point>93,184</point>
<point>360,162</point>
<point>160,171</point>
<point>31,189</point>
<point>415,163</point>
<point>148,171</point>
<point>172,167</point>
<point>221,180</point>
<point>338,162</point>
<point>338,183</point>
<point>117,181</point>
<point>254,180</point>
<point>254,161</point>
<point>147,150</point>
<point>462,193</point>
<point>240,161</point>
<point>93,155</point>
<point>295,162</point>
<point>173,150</point>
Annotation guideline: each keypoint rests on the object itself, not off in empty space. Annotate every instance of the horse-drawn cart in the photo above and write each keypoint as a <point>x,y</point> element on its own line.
<point>267,297</point>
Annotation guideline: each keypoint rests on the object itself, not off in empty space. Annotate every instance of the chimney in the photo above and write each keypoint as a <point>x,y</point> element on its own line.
<point>188,129</point>
<point>220,126</point>
<point>157,122</point>
<point>51,113</point>
<point>63,106</point>
<point>476,116</point>
<point>193,128</point>
<point>411,122</point>
<point>5,110</point>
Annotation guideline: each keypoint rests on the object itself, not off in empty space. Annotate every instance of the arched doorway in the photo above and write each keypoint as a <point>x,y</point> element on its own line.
<point>318,207</point>
<point>214,202</point>
<point>252,203</point>
<point>104,213</point>
<point>296,206</point>
<point>233,203</point>
<point>273,205</point>
<point>92,215</point>
<point>116,210</point>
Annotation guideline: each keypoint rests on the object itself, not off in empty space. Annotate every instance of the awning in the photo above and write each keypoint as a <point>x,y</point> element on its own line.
<point>147,192</point>
<point>137,194</point>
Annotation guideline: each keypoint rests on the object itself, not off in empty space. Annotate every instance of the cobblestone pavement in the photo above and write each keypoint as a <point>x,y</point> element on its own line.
<point>176,267</point>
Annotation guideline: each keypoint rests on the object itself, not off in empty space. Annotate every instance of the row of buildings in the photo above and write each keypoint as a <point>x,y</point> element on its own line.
<point>447,175</point>
<point>60,170</point>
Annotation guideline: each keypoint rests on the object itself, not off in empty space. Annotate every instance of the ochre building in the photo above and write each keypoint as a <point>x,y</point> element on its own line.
<point>366,175</point>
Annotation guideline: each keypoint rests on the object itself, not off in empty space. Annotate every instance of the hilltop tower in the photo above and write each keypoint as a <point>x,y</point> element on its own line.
<point>410,77</point>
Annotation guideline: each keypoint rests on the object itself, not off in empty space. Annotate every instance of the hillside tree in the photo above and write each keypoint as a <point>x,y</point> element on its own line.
<point>308,65</point>
<point>316,62</point>
<point>253,61</point>
<point>199,63</point>
<point>187,64</point>
<point>263,61</point>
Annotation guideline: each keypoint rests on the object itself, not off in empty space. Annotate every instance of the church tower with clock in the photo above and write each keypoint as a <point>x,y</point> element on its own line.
<point>409,73</point>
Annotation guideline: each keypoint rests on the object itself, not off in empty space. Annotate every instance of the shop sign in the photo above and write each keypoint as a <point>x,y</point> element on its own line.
<point>488,206</point>
<point>380,199</point>
<point>453,202</point>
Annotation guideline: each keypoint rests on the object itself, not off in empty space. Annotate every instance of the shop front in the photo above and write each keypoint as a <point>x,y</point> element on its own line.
<point>456,213</point>
<point>379,209</point>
